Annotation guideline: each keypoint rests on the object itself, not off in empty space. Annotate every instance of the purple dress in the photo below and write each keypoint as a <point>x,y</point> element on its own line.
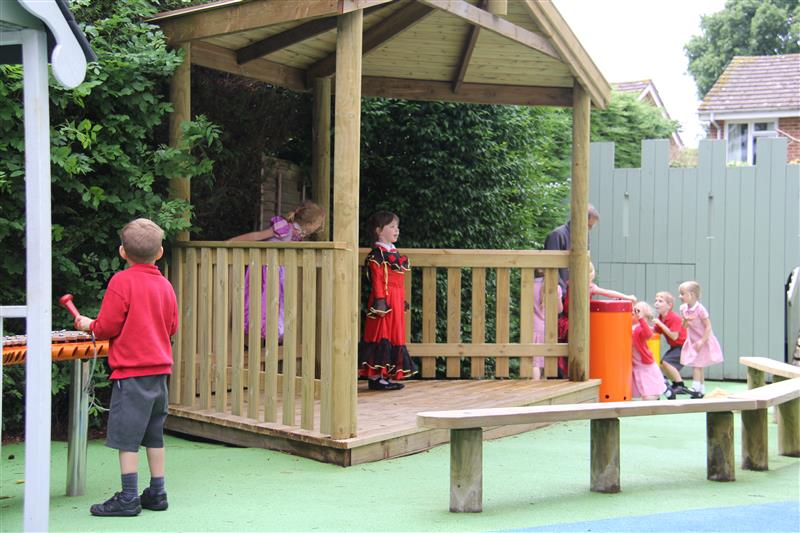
<point>711,352</point>
<point>283,231</point>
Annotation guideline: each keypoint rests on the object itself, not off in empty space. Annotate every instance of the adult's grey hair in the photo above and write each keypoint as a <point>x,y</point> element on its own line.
<point>593,214</point>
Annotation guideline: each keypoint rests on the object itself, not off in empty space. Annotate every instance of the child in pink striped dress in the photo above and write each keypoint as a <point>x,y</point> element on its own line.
<point>648,384</point>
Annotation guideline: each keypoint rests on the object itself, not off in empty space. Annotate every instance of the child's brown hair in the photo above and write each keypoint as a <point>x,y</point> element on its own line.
<point>308,215</point>
<point>141,239</point>
<point>380,219</point>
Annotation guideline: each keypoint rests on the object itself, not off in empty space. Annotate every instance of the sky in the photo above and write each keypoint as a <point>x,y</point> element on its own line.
<point>633,40</point>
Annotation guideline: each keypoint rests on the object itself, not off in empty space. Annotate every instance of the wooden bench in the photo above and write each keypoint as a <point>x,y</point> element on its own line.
<point>466,434</point>
<point>754,436</point>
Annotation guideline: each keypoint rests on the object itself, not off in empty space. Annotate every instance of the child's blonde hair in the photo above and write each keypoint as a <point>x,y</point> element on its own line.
<point>667,297</point>
<point>645,311</point>
<point>592,271</point>
<point>308,215</point>
<point>690,286</point>
<point>141,240</point>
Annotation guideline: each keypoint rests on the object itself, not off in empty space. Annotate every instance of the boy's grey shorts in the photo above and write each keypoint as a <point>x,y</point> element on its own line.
<point>138,411</point>
<point>673,357</point>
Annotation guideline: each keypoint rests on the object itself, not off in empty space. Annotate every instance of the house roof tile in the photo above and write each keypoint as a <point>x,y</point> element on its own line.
<point>756,83</point>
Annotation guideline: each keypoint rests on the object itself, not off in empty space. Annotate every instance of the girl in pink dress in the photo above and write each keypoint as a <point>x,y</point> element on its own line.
<point>701,348</point>
<point>647,381</point>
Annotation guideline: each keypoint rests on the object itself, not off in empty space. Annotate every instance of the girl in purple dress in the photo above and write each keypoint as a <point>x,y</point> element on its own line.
<point>701,348</point>
<point>296,226</point>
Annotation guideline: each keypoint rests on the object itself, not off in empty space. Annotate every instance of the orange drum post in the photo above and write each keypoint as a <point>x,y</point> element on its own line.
<point>610,348</point>
<point>654,343</point>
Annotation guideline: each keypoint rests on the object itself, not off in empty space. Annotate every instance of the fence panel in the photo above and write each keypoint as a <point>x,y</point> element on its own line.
<point>736,230</point>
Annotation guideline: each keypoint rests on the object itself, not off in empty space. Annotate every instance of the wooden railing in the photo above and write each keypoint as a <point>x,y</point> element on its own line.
<point>214,356</point>
<point>442,271</point>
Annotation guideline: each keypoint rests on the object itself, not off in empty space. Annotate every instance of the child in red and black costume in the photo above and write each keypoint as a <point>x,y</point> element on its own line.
<point>138,315</point>
<point>382,355</point>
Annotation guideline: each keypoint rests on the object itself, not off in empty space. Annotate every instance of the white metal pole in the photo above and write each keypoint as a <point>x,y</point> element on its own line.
<point>38,281</point>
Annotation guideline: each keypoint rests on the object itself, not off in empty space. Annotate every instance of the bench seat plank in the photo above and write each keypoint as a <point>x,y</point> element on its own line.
<point>772,394</point>
<point>771,366</point>
<point>497,416</point>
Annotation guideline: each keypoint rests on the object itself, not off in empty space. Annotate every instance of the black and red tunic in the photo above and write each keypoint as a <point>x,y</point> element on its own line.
<point>383,352</point>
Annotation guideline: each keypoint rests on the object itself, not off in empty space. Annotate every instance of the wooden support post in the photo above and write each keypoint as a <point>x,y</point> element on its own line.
<point>497,7</point>
<point>605,455</point>
<point>180,95</point>
<point>720,457</point>
<point>788,425</point>
<point>321,152</point>
<point>755,440</point>
<point>466,470</point>
<point>579,255</point>
<point>347,138</point>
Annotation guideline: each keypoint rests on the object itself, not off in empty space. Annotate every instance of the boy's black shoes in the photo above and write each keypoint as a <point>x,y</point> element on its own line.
<point>380,384</point>
<point>669,394</point>
<point>153,502</point>
<point>116,506</point>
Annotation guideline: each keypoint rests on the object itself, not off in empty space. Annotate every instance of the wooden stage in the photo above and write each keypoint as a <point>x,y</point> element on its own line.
<point>387,425</point>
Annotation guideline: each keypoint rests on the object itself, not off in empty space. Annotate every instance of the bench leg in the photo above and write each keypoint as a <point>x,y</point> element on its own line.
<point>720,457</point>
<point>466,470</point>
<point>789,428</point>
<point>755,440</point>
<point>605,455</point>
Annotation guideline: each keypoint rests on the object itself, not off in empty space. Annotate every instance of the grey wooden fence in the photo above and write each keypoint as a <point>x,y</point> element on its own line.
<point>735,230</point>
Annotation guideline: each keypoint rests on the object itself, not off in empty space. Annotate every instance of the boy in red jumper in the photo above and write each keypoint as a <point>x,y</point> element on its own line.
<point>669,324</point>
<point>138,315</point>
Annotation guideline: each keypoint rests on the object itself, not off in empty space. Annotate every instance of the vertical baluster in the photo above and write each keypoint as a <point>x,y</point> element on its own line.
<point>453,319</point>
<point>271,352</point>
<point>177,274</point>
<point>550,297</point>
<point>237,332</point>
<point>478,364</point>
<point>220,313</point>
<point>309,338</point>
<point>289,335</point>
<point>204,312</point>
<point>326,343</point>
<point>502,323</point>
<point>429,318</point>
<point>189,346</point>
<point>526,319</point>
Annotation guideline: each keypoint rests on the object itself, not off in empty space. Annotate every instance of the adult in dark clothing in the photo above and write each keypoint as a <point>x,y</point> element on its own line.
<point>561,239</point>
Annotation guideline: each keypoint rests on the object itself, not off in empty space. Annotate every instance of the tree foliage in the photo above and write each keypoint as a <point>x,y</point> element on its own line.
<point>464,176</point>
<point>627,122</point>
<point>109,160</point>
<point>744,27</point>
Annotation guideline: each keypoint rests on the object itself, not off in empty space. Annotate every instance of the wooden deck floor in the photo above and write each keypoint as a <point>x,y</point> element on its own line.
<point>386,420</point>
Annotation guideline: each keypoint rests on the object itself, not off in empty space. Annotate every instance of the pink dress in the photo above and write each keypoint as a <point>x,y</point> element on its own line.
<point>538,317</point>
<point>711,352</point>
<point>646,377</point>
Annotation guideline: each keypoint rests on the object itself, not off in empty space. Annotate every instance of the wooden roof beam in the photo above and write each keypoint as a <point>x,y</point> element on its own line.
<point>219,58</point>
<point>474,93</point>
<point>376,36</point>
<point>495,24</point>
<point>226,17</point>
<point>292,36</point>
<point>466,53</point>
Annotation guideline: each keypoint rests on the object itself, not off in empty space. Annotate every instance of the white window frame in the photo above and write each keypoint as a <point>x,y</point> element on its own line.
<point>751,134</point>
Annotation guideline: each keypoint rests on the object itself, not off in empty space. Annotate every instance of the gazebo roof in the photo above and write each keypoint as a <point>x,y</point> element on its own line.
<point>424,50</point>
